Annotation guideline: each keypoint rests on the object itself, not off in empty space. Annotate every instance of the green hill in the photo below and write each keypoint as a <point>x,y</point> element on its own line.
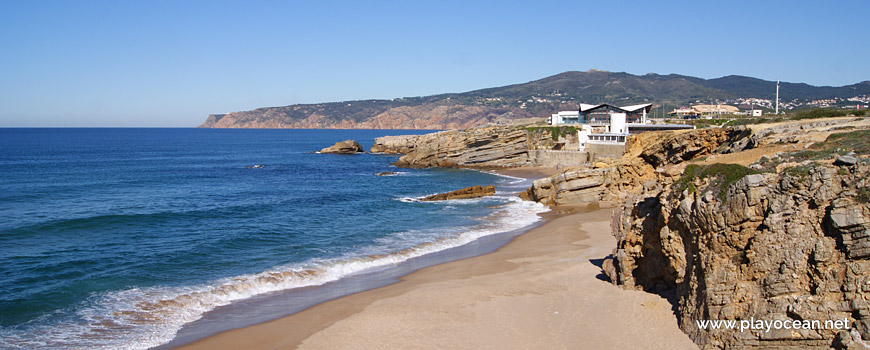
<point>537,98</point>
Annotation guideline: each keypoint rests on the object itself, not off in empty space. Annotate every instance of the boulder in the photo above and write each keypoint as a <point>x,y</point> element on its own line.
<point>465,193</point>
<point>344,147</point>
<point>846,160</point>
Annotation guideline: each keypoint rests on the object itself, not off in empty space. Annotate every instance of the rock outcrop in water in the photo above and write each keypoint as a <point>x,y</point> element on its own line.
<point>344,147</point>
<point>465,193</point>
<point>490,147</point>
<point>400,144</point>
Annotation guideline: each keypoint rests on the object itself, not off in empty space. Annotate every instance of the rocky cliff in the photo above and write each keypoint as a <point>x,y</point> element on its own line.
<point>647,155</point>
<point>788,246</point>
<point>785,238</point>
<point>770,223</point>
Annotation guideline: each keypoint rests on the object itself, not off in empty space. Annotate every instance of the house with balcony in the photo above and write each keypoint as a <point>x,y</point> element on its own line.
<point>600,114</point>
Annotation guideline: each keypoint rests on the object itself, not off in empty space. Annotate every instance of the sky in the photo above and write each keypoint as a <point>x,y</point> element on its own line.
<point>171,63</point>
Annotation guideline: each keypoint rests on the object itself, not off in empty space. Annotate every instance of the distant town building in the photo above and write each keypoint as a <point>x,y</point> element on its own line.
<point>715,109</point>
<point>683,112</point>
<point>704,110</point>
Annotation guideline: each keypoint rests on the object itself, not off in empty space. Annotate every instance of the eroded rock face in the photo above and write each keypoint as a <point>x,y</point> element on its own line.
<point>344,147</point>
<point>675,148</point>
<point>649,157</point>
<point>400,144</point>
<point>465,193</point>
<point>491,147</point>
<point>786,246</point>
<point>789,244</point>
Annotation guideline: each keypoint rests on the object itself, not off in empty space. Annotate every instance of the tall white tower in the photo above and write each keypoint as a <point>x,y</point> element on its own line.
<point>777,97</point>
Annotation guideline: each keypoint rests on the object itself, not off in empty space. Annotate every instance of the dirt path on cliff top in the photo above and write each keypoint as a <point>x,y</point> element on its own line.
<point>804,138</point>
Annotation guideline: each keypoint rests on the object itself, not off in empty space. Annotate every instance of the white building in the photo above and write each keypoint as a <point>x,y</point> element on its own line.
<point>601,114</point>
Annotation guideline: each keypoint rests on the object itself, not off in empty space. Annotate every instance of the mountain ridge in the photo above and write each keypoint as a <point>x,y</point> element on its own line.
<point>537,98</point>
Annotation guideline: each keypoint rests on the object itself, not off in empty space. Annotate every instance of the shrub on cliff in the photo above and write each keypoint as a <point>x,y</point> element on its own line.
<point>722,176</point>
<point>821,113</point>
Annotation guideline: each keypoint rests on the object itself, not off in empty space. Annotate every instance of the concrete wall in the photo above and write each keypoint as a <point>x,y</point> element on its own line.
<point>557,159</point>
<point>601,150</point>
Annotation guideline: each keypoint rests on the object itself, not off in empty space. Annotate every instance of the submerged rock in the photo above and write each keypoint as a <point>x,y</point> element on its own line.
<point>344,147</point>
<point>387,173</point>
<point>465,193</point>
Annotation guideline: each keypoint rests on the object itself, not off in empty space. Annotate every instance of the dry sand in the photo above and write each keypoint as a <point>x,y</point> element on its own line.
<point>541,291</point>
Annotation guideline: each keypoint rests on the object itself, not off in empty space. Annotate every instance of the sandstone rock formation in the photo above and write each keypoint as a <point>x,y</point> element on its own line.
<point>400,144</point>
<point>465,193</point>
<point>788,246</point>
<point>494,147</point>
<point>788,241</point>
<point>344,147</point>
<point>647,155</point>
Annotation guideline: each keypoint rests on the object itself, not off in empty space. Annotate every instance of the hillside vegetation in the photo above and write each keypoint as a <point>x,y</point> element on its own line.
<point>533,99</point>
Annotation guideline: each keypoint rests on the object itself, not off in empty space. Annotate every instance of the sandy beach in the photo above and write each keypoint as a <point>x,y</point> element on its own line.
<point>543,290</point>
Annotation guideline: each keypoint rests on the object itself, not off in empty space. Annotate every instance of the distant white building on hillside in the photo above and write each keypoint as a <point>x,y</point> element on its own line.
<point>600,115</point>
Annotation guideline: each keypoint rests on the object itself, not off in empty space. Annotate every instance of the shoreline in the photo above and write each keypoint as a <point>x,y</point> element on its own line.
<point>477,302</point>
<point>275,305</point>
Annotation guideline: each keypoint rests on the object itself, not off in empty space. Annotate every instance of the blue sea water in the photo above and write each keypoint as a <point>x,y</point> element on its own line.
<point>116,238</point>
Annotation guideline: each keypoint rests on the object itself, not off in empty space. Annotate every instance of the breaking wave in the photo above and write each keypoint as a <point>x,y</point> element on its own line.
<point>147,317</point>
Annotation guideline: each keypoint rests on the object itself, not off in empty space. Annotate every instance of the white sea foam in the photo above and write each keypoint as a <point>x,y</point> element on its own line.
<point>419,199</point>
<point>147,317</point>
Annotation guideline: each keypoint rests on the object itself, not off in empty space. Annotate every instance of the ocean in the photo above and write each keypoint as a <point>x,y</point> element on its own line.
<point>116,238</point>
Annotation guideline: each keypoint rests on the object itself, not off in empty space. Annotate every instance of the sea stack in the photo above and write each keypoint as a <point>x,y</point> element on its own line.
<point>344,147</point>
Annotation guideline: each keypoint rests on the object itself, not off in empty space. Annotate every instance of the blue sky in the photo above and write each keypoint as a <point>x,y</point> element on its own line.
<point>171,63</point>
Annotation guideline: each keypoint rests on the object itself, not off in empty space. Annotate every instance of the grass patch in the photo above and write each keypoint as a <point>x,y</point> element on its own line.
<point>723,175</point>
<point>706,123</point>
<point>800,171</point>
<point>839,143</point>
<point>750,121</point>
<point>855,141</point>
<point>554,131</point>
<point>863,195</point>
<point>821,113</point>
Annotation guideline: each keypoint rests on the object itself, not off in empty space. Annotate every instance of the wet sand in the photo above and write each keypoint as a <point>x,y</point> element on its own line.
<point>543,290</point>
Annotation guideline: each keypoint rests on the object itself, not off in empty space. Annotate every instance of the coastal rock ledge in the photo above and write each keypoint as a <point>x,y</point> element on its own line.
<point>465,193</point>
<point>400,144</point>
<point>344,147</point>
